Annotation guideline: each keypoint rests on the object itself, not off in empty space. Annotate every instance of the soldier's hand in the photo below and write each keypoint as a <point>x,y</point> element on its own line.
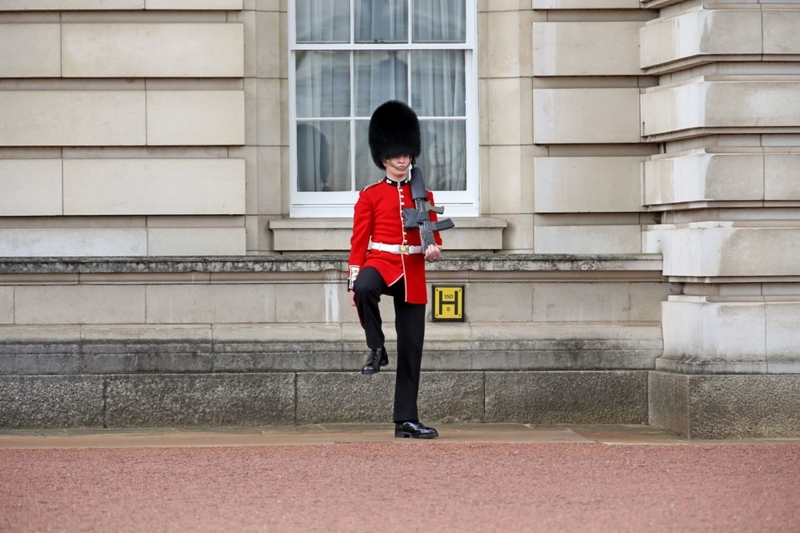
<point>352,298</point>
<point>433,253</point>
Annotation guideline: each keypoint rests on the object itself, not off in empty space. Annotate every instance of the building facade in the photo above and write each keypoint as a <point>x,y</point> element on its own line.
<point>177,180</point>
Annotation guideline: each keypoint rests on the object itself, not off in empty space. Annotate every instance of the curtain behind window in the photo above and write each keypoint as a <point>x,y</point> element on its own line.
<point>436,79</point>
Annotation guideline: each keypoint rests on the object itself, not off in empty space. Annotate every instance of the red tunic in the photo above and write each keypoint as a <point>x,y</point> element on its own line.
<point>378,217</point>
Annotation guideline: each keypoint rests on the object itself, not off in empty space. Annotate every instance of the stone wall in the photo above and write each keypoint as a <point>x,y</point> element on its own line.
<point>637,229</point>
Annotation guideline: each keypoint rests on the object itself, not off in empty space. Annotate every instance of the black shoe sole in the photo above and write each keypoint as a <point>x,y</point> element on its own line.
<point>408,435</point>
<point>370,371</point>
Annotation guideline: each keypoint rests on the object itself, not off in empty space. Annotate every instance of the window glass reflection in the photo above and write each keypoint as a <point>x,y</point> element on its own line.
<point>322,21</point>
<point>381,21</point>
<point>444,154</point>
<point>440,21</point>
<point>322,84</point>
<point>379,76</point>
<point>438,83</point>
<point>323,156</point>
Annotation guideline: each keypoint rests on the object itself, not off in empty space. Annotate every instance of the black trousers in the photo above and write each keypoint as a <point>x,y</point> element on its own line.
<point>410,327</point>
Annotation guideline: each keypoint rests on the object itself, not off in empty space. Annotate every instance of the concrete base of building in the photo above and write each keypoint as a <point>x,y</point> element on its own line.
<point>253,399</point>
<point>697,407</point>
<point>726,406</point>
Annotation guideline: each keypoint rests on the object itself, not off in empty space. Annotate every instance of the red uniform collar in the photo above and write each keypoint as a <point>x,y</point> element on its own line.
<point>393,183</point>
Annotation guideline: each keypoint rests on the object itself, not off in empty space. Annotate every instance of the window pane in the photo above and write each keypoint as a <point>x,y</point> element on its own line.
<point>323,84</point>
<point>323,21</point>
<point>444,154</point>
<point>323,156</point>
<point>380,76</point>
<point>381,21</point>
<point>366,171</point>
<point>440,21</point>
<point>438,83</point>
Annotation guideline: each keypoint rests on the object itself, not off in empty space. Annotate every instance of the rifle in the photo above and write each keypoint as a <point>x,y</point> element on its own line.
<point>419,217</point>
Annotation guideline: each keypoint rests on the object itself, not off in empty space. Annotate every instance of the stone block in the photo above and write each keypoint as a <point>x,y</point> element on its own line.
<point>270,180</point>
<point>6,305</point>
<point>72,118</point>
<point>575,116</point>
<point>73,242</point>
<point>505,45</point>
<point>588,184</point>
<point>586,4</point>
<point>210,304</point>
<point>181,400</point>
<point>646,300</point>
<point>780,31</point>
<point>507,106</point>
<point>702,176</point>
<point>80,304</point>
<point>581,302</point>
<point>31,187</point>
<point>451,397</point>
<point>306,302</point>
<point>728,249</point>
<point>69,5</point>
<point>153,186</point>
<point>344,397</point>
<point>726,406</point>
<point>702,337</point>
<point>668,401</point>
<point>701,32</point>
<point>270,45</point>
<point>484,233</point>
<point>499,302</point>
<point>152,50</point>
<point>311,234</point>
<point>587,239</point>
<point>586,48</point>
<point>780,176</point>
<point>350,397</point>
<point>513,189</point>
<point>196,241</point>
<point>30,51</point>
<point>51,402</point>
<point>782,337</point>
<point>616,397</point>
<point>518,236</point>
<point>195,118</point>
<point>228,5</point>
<point>719,104</point>
<point>269,104</point>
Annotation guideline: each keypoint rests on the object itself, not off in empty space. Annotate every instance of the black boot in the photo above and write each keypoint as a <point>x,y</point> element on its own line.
<point>375,360</point>
<point>414,430</point>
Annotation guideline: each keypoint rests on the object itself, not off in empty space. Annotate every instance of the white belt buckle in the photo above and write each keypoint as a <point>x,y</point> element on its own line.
<point>404,249</point>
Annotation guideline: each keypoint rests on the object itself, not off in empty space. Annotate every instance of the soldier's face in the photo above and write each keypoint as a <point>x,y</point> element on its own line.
<point>397,167</point>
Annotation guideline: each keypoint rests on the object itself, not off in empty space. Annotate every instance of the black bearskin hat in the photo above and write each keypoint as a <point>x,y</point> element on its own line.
<point>393,131</point>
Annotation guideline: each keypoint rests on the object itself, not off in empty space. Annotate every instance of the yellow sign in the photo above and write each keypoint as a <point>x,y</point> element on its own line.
<point>448,302</point>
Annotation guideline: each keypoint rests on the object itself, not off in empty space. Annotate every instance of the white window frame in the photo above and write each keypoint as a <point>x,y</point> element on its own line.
<point>339,204</point>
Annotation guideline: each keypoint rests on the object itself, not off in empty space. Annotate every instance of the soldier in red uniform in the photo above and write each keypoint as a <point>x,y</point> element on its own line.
<point>387,258</point>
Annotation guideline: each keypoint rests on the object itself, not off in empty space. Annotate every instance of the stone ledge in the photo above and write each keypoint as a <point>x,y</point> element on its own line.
<point>322,263</point>
<point>320,348</point>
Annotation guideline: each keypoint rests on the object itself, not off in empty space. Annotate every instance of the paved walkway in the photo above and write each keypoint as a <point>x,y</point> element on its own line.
<point>481,477</point>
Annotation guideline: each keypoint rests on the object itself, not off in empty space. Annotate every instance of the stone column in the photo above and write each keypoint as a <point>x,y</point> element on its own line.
<point>727,114</point>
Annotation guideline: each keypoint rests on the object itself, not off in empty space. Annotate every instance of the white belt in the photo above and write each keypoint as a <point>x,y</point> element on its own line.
<point>396,248</point>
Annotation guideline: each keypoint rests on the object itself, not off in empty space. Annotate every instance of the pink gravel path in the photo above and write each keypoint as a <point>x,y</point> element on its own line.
<point>404,486</point>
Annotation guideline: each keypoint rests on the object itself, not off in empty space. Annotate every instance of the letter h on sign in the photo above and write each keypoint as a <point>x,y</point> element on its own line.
<point>448,303</point>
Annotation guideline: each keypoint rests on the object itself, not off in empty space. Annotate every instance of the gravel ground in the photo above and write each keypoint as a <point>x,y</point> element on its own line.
<point>404,486</point>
